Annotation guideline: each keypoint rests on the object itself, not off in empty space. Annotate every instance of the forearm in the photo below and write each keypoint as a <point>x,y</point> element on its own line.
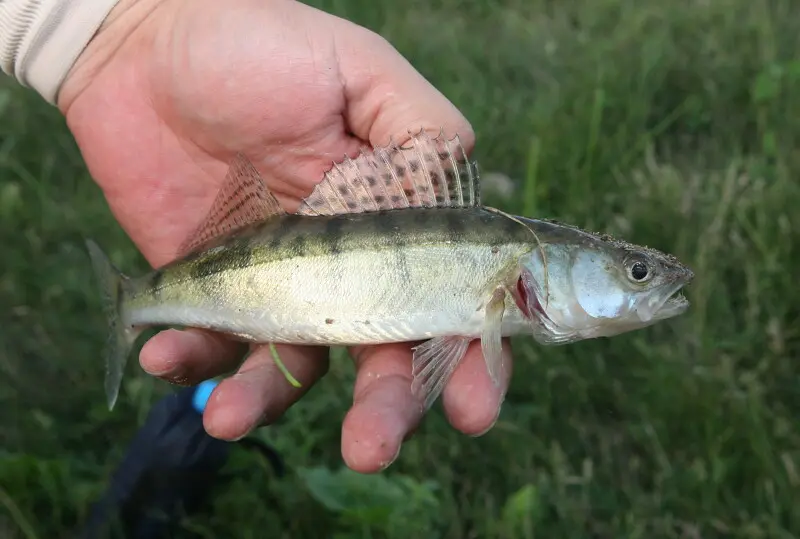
<point>41,39</point>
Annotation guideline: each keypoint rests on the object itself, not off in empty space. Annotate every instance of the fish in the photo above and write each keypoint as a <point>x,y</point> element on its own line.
<point>392,245</point>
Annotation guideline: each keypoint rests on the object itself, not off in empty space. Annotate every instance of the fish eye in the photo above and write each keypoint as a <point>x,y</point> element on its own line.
<point>638,270</point>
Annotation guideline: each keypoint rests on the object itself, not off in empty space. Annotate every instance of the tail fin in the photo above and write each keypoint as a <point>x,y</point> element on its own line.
<point>121,338</point>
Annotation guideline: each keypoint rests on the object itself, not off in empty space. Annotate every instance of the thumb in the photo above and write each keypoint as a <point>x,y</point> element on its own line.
<point>387,97</point>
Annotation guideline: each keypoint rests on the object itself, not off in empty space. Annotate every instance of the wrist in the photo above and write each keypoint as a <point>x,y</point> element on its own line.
<point>122,21</point>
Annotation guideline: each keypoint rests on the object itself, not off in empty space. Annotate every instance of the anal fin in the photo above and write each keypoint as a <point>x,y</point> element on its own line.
<point>434,362</point>
<point>244,199</point>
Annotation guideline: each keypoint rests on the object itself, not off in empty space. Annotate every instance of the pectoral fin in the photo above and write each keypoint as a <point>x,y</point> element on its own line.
<point>492,336</point>
<point>434,362</point>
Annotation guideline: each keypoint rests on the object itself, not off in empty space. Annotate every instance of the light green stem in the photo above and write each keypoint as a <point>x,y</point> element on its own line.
<point>292,380</point>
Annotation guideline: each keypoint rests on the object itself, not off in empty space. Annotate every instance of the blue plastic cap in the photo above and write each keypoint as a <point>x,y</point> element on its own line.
<point>202,394</point>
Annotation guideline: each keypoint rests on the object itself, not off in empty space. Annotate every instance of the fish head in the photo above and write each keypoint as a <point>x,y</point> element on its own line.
<point>598,287</point>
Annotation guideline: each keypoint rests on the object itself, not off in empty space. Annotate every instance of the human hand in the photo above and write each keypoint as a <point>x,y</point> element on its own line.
<point>162,99</point>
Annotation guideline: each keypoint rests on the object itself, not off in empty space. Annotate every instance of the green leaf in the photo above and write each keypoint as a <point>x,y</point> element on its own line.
<point>767,85</point>
<point>522,508</point>
<point>382,501</point>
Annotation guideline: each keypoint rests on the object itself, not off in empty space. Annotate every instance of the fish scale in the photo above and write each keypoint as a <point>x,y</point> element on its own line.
<point>394,246</point>
<point>391,266</point>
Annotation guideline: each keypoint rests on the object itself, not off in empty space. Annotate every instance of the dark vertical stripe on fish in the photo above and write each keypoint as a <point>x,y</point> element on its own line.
<point>333,234</point>
<point>297,245</point>
<point>288,224</point>
<point>455,227</point>
<point>391,223</point>
<point>238,255</point>
<point>156,278</point>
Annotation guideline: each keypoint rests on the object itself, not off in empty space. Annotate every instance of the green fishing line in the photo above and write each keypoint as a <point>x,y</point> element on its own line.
<point>292,380</point>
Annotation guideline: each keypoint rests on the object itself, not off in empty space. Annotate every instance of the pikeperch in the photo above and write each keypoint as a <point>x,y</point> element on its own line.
<point>392,246</point>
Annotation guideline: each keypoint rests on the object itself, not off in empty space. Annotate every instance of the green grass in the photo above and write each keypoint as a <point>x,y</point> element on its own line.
<point>674,124</point>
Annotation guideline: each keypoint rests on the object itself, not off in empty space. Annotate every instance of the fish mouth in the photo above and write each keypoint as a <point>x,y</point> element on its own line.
<point>674,305</point>
<point>670,304</point>
<point>674,302</point>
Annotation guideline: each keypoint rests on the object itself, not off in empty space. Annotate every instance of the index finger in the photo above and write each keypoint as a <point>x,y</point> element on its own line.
<point>471,400</point>
<point>384,410</point>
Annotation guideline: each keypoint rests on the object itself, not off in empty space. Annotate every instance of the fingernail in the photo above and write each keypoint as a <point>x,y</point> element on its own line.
<point>410,434</point>
<point>178,378</point>
<point>169,370</point>
<point>237,438</point>
<point>388,463</point>
<point>267,419</point>
<point>159,372</point>
<point>491,426</point>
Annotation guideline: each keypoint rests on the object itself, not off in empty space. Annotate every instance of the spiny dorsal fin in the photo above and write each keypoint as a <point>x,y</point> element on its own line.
<point>244,199</point>
<point>429,173</point>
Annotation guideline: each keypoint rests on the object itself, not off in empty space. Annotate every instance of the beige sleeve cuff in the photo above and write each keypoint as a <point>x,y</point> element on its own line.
<point>41,39</point>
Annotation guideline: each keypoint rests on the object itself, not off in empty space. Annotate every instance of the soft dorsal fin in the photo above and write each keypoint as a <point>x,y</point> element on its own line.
<point>428,173</point>
<point>243,199</point>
